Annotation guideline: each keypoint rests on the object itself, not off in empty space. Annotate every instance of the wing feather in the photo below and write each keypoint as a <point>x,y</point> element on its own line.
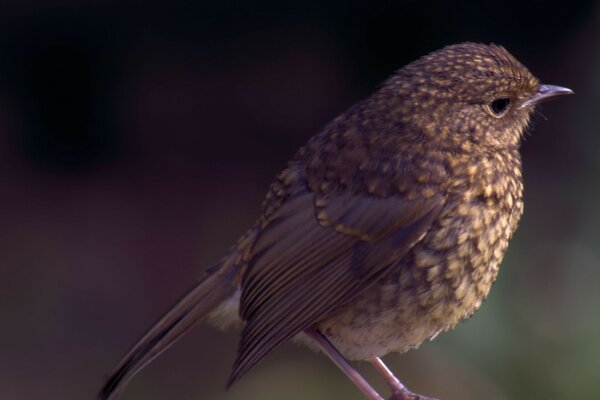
<point>316,253</point>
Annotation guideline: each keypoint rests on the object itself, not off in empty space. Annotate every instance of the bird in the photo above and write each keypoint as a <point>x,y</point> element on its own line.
<point>385,229</point>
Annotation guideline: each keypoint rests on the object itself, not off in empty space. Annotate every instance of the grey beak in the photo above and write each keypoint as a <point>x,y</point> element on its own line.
<point>546,92</point>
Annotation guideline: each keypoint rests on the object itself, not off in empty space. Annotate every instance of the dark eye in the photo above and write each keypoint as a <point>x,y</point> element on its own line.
<point>499,106</point>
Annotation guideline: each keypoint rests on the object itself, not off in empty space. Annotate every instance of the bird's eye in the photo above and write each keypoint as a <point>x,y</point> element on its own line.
<point>499,107</point>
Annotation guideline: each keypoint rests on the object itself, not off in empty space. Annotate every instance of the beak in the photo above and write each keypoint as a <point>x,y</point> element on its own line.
<point>546,92</point>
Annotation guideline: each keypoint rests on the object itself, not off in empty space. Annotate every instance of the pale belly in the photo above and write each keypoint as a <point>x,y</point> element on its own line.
<point>441,281</point>
<point>427,292</point>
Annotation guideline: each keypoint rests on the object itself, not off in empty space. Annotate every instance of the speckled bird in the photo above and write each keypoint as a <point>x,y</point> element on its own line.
<point>385,229</point>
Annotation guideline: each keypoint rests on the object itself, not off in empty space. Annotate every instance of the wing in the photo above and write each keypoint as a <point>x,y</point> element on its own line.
<point>317,252</point>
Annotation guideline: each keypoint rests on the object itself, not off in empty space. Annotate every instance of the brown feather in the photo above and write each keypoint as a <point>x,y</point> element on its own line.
<point>218,285</point>
<point>316,253</point>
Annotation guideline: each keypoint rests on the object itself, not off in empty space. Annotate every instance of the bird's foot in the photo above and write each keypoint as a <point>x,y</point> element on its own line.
<point>408,395</point>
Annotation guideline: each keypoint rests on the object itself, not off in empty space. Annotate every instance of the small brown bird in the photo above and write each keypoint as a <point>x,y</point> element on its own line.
<point>385,229</point>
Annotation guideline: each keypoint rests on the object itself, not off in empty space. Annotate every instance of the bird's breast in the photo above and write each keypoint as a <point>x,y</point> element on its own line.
<point>445,277</point>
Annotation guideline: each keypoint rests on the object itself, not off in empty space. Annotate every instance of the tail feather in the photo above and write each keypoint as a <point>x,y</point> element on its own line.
<point>197,303</point>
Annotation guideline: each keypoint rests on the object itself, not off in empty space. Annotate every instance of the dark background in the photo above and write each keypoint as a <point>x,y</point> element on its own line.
<point>137,141</point>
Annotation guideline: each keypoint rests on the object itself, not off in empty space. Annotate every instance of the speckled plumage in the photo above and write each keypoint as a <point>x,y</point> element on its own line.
<point>426,133</point>
<point>386,228</point>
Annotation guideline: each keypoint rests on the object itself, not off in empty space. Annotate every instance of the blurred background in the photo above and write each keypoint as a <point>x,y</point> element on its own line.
<point>138,138</point>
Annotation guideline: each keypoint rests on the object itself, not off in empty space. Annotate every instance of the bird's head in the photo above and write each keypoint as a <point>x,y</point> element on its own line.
<point>469,95</point>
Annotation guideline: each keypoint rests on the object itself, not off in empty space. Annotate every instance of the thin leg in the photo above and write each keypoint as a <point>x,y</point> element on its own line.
<point>399,391</point>
<point>341,362</point>
<point>393,382</point>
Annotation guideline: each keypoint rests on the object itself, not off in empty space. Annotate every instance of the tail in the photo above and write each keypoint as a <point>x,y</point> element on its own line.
<point>210,292</point>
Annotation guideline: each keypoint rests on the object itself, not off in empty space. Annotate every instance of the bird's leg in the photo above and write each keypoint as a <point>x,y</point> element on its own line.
<point>393,382</point>
<point>399,391</point>
<point>344,365</point>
